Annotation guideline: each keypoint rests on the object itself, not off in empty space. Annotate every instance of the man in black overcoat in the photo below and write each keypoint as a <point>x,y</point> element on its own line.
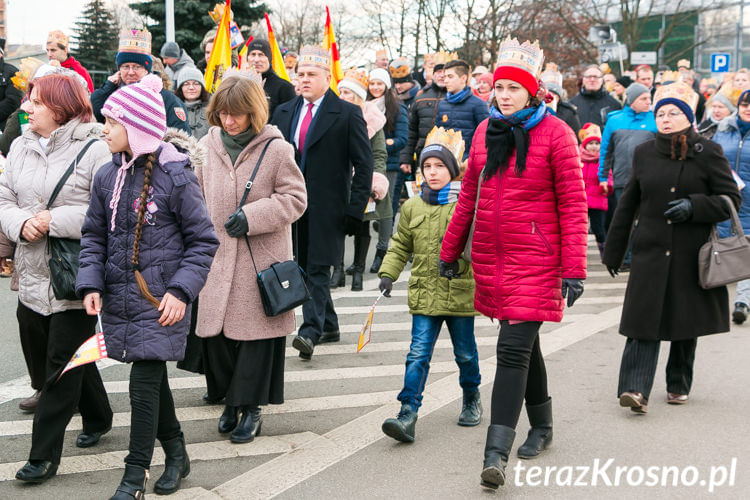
<point>333,151</point>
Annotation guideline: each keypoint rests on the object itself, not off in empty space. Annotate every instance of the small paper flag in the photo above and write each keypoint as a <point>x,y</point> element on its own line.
<point>364,334</point>
<point>90,351</point>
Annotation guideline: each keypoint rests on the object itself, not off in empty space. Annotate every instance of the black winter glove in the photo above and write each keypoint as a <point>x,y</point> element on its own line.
<point>236,224</point>
<point>681,210</point>
<point>448,269</point>
<point>613,270</point>
<point>572,288</point>
<point>352,225</point>
<point>386,285</point>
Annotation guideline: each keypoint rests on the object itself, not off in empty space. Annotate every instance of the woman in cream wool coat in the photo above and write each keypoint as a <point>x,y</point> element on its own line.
<point>243,349</point>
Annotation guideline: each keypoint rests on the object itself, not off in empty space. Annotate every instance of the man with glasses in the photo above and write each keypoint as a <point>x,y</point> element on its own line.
<point>593,101</point>
<point>134,62</point>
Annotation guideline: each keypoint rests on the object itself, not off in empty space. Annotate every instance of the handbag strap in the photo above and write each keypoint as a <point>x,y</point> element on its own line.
<point>68,172</point>
<point>249,186</point>
<point>735,219</point>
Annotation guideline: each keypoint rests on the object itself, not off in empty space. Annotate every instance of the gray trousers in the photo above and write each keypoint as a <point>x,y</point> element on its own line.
<point>639,360</point>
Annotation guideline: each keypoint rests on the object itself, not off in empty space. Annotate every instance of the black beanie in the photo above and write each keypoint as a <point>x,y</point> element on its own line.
<point>625,81</point>
<point>443,154</point>
<point>262,45</point>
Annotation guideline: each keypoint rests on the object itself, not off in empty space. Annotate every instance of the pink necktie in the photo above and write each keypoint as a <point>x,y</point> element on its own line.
<point>305,125</point>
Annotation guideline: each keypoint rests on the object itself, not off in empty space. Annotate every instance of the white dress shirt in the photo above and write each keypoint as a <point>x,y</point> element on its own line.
<point>303,112</point>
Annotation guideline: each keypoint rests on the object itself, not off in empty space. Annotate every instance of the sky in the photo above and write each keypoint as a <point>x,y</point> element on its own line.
<point>29,21</point>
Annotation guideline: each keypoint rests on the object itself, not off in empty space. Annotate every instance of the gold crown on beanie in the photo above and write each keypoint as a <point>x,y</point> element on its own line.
<point>551,74</point>
<point>450,139</point>
<point>526,56</point>
<point>26,73</point>
<point>137,41</point>
<point>313,55</point>
<point>677,90</point>
<point>668,77</point>
<point>358,76</point>
<point>399,68</point>
<point>59,38</point>
<point>443,57</point>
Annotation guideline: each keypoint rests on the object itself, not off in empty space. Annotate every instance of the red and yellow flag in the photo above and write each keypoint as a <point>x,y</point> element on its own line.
<point>329,43</point>
<point>220,59</point>
<point>277,61</point>
<point>243,51</point>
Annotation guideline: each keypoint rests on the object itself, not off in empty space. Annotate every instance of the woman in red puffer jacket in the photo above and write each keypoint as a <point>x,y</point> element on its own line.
<point>528,247</point>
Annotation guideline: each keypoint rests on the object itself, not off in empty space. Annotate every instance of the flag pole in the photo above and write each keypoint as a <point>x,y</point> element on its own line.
<point>169,14</point>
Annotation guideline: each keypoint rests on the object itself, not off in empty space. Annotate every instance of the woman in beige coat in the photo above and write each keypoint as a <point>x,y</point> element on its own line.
<point>243,349</point>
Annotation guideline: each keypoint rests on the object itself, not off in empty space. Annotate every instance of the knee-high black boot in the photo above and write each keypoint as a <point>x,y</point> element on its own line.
<point>361,245</point>
<point>496,450</point>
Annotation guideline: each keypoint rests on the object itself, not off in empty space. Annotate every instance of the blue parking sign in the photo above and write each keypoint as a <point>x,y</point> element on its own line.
<point>719,63</point>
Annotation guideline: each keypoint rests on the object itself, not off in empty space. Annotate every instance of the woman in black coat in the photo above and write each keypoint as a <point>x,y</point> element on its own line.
<point>674,191</point>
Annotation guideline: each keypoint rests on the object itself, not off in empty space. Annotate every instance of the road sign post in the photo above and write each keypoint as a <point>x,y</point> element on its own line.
<point>720,62</point>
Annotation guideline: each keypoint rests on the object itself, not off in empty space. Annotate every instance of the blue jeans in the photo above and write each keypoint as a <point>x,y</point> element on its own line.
<point>424,334</point>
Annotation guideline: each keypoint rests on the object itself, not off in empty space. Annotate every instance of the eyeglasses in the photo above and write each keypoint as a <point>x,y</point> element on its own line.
<point>131,68</point>
<point>671,114</point>
<point>592,77</point>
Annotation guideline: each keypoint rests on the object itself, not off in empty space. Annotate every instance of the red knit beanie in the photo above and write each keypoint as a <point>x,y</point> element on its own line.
<point>526,79</point>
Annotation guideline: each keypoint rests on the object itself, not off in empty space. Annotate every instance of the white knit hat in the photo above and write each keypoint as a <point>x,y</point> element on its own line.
<point>382,75</point>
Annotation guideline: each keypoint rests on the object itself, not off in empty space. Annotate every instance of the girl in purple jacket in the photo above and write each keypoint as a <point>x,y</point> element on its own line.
<point>147,247</point>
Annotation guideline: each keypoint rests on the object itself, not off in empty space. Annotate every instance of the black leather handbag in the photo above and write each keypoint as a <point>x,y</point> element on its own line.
<point>63,262</point>
<point>282,286</point>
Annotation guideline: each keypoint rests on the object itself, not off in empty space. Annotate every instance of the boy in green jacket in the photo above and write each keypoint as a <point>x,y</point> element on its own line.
<point>433,299</point>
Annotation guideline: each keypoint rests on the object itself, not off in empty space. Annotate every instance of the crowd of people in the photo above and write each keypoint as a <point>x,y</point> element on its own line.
<point>177,198</point>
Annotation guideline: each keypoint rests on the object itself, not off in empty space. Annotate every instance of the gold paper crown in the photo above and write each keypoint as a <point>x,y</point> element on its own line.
<point>551,74</point>
<point>25,74</point>
<point>381,53</point>
<point>59,38</point>
<point>138,41</point>
<point>452,140</point>
<point>668,77</point>
<point>358,76</point>
<point>443,57</point>
<point>526,56</point>
<point>683,63</point>
<point>399,68</point>
<point>314,55</point>
<point>218,12</point>
<point>677,90</point>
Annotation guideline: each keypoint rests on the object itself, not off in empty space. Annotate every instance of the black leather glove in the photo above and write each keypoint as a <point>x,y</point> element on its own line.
<point>236,224</point>
<point>352,225</point>
<point>613,270</point>
<point>680,210</point>
<point>572,288</point>
<point>448,269</point>
<point>386,285</point>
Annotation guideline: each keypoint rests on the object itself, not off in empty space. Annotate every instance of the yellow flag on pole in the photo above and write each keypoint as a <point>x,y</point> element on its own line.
<point>329,43</point>
<point>90,351</point>
<point>220,59</point>
<point>365,333</point>
<point>277,62</point>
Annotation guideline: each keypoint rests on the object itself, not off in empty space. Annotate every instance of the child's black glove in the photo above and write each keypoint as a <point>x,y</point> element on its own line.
<point>386,285</point>
<point>572,288</point>
<point>448,269</point>
<point>236,224</point>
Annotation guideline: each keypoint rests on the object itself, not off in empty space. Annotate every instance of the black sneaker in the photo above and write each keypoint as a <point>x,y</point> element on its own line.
<point>740,313</point>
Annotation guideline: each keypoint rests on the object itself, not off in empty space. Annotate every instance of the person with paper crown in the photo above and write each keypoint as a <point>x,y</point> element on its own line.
<point>58,50</point>
<point>675,191</point>
<point>590,136</point>
<point>381,59</point>
<point>331,141</point>
<point>403,82</point>
<point>353,89</point>
<point>731,133</point>
<point>134,62</point>
<point>277,89</point>
<point>528,247</point>
<point>433,300</point>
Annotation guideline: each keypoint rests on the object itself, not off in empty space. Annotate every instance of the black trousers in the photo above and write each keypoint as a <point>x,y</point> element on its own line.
<point>639,360</point>
<point>80,386</point>
<point>318,314</point>
<point>520,373</point>
<point>33,330</point>
<point>152,411</point>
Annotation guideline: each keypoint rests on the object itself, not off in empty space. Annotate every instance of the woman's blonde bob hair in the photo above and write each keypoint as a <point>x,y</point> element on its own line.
<point>239,95</point>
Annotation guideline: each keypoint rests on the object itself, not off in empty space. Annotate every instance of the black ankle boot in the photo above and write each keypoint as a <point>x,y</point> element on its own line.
<point>176,466</point>
<point>540,434</point>
<point>249,425</point>
<point>338,278</point>
<point>402,427</point>
<point>361,245</point>
<point>496,450</point>
<point>377,261</point>
<point>471,410</point>
<point>133,484</point>
<point>228,419</point>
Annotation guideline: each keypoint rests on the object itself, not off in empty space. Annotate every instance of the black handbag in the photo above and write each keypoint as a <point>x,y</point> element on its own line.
<point>63,262</point>
<point>282,286</point>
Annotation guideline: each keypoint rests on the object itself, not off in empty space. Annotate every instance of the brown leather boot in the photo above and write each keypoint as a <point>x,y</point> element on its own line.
<point>29,404</point>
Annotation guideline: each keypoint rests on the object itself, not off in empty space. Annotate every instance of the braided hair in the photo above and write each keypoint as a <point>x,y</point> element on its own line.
<point>142,286</point>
